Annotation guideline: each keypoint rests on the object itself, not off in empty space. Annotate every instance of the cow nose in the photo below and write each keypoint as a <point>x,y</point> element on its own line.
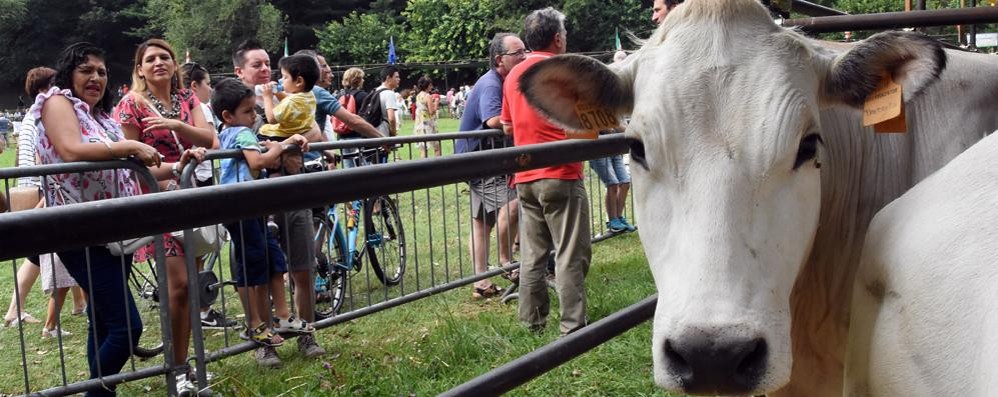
<point>711,364</point>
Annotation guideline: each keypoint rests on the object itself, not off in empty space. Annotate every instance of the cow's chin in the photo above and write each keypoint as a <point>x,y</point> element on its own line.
<point>742,357</point>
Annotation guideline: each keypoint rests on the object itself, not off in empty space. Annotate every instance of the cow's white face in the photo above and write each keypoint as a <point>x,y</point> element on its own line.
<point>726,176</point>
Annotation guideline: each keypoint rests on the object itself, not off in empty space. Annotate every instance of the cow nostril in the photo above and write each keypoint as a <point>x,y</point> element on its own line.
<point>706,363</point>
<point>677,364</point>
<point>753,364</point>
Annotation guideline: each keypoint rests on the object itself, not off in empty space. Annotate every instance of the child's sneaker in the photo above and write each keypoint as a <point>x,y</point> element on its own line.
<point>266,356</point>
<point>186,386</point>
<point>292,325</point>
<point>627,225</point>
<point>308,347</point>
<point>616,226</point>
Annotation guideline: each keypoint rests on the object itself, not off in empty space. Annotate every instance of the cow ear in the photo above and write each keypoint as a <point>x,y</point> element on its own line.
<point>556,85</point>
<point>914,61</point>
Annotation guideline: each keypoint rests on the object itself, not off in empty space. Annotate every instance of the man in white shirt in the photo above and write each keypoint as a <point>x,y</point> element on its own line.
<point>389,104</point>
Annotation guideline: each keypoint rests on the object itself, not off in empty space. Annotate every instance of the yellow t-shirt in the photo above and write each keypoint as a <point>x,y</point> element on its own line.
<point>294,114</point>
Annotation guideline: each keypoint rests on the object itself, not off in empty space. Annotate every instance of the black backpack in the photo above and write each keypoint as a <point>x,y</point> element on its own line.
<point>370,109</point>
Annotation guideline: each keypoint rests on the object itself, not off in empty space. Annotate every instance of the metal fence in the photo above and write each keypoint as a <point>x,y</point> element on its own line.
<point>431,200</point>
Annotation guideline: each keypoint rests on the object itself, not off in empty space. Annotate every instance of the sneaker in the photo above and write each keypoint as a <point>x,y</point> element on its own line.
<point>215,320</point>
<point>52,333</point>
<point>272,226</point>
<point>186,386</point>
<point>308,347</point>
<point>292,326</point>
<point>628,225</point>
<point>266,356</point>
<point>616,226</point>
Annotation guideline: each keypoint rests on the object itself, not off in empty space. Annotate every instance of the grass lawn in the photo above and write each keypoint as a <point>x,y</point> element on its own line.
<point>419,349</point>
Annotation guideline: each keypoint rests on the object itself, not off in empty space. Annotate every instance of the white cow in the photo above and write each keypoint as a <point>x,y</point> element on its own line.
<point>925,304</point>
<point>752,246</point>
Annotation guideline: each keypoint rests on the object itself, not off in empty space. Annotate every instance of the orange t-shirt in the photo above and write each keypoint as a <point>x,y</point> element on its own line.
<point>530,127</point>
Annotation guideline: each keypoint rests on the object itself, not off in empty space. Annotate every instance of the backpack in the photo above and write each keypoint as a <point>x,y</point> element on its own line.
<point>348,101</point>
<point>370,109</point>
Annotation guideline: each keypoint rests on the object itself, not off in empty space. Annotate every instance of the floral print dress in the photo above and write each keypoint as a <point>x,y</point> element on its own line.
<point>130,111</point>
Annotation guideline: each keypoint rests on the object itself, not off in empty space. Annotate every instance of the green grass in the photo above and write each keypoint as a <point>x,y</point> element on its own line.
<point>422,348</point>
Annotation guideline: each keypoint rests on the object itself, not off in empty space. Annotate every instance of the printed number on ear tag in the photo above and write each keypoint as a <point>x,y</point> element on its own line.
<point>884,108</point>
<point>593,119</point>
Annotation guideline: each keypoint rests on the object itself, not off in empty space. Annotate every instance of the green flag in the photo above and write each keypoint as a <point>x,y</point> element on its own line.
<point>285,46</point>
<point>616,40</point>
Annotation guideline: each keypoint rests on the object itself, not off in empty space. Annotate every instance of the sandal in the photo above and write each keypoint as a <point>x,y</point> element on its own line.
<point>25,318</point>
<point>265,336</point>
<point>292,325</point>
<point>485,293</point>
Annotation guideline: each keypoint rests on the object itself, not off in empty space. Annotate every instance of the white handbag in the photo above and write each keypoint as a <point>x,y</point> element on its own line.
<point>204,239</point>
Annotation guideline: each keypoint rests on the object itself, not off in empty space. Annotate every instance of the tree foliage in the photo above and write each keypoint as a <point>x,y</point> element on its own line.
<point>209,29</point>
<point>358,39</point>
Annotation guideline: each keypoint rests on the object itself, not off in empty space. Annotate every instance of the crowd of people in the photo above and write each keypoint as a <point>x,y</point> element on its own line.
<point>171,113</point>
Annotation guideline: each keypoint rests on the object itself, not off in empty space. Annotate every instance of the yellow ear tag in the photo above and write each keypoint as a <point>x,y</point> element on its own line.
<point>593,119</point>
<point>884,108</point>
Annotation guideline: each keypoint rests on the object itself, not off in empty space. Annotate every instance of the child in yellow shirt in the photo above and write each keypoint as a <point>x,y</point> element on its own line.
<point>295,113</point>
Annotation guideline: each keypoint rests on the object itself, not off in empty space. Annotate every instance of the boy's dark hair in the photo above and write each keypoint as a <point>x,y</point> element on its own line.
<point>71,57</point>
<point>239,55</point>
<point>302,66</point>
<point>388,71</point>
<point>229,93</point>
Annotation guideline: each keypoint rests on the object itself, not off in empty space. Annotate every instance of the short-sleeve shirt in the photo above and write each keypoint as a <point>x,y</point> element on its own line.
<point>529,127</point>
<point>295,114</point>
<point>484,102</point>
<point>388,101</point>
<point>131,110</point>
<point>236,169</point>
<point>325,105</point>
<point>82,186</point>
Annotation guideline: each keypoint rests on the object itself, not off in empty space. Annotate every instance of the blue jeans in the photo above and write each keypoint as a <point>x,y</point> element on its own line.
<point>611,170</point>
<point>115,323</point>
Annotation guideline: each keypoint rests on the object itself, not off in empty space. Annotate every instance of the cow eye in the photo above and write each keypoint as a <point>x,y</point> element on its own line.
<point>808,150</point>
<point>638,153</point>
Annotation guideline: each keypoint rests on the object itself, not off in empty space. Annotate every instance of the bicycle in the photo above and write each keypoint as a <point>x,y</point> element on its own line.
<point>383,241</point>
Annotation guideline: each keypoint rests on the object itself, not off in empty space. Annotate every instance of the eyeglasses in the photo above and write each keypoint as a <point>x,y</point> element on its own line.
<point>519,53</point>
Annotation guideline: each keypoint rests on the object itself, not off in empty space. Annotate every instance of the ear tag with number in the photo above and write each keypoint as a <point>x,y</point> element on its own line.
<point>884,108</point>
<point>593,119</point>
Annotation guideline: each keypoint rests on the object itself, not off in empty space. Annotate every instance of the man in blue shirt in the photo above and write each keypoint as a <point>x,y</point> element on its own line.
<point>327,105</point>
<point>493,201</point>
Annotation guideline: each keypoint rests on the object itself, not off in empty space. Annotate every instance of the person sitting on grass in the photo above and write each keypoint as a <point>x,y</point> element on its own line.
<point>259,265</point>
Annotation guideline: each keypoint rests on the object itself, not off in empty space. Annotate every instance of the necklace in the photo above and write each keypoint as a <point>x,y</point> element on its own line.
<point>173,113</point>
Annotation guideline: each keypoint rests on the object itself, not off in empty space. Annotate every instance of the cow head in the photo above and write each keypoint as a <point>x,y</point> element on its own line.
<point>725,112</point>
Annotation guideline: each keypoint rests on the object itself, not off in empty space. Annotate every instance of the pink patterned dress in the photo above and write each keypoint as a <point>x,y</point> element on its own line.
<point>87,186</point>
<point>130,111</point>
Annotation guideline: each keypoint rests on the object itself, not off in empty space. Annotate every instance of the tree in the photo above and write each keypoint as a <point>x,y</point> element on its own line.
<point>210,29</point>
<point>358,39</point>
<point>444,30</point>
<point>591,23</point>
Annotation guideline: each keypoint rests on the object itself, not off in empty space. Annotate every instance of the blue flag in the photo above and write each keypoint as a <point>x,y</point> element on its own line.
<point>392,58</point>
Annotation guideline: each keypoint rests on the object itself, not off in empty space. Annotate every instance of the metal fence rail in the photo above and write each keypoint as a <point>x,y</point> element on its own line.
<point>189,208</point>
<point>896,20</point>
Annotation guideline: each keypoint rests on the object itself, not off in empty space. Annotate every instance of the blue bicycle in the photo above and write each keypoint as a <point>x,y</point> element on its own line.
<point>381,238</point>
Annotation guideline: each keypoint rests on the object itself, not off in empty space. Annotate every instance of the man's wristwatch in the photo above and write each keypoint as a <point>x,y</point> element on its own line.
<point>175,169</point>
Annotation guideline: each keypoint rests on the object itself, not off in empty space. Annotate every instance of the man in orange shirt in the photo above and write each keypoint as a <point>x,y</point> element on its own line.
<point>553,201</point>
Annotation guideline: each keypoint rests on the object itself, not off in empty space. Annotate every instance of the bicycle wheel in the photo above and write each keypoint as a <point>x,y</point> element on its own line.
<point>331,274</point>
<point>147,353</point>
<point>385,239</point>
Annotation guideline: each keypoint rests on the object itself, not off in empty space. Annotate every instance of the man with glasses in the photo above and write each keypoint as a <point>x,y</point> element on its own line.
<point>492,200</point>
<point>554,206</point>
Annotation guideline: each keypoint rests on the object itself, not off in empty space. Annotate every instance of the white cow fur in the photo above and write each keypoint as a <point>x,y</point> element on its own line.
<point>739,243</point>
<point>925,303</point>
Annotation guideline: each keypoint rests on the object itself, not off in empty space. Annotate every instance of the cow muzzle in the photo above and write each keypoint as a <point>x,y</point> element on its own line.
<point>716,362</point>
